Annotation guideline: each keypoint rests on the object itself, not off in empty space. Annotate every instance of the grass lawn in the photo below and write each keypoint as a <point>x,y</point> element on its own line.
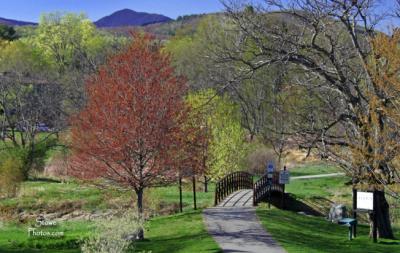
<point>52,196</point>
<point>302,234</point>
<point>170,195</point>
<point>44,195</point>
<point>165,232</point>
<point>327,187</point>
<point>174,233</point>
<point>319,194</point>
<point>14,238</point>
<point>313,169</point>
<point>181,233</point>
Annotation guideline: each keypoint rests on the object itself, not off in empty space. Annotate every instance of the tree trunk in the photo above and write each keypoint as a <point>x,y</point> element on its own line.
<point>139,193</point>
<point>383,217</point>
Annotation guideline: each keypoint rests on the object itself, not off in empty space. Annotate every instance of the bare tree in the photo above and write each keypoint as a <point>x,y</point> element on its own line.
<point>25,104</point>
<point>326,45</point>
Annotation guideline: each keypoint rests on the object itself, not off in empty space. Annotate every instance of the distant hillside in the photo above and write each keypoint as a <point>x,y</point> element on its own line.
<point>12,22</point>
<point>186,25</point>
<point>127,17</point>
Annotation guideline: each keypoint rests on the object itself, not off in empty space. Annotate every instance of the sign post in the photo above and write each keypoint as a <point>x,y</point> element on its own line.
<point>366,202</point>
<point>354,210</point>
<point>375,219</point>
<point>284,178</point>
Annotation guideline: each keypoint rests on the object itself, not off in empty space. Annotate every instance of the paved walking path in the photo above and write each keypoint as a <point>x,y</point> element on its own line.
<point>235,226</point>
<point>318,176</point>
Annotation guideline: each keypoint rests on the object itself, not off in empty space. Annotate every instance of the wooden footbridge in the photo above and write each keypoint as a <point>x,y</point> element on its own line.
<point>239,189</point>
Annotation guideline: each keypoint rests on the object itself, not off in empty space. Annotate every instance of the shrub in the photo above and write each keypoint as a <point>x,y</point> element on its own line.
<point>258,158</point>
<point>36,157</point>
<point>114,234</point>
<point>29,159</point>
<point>11,176</point>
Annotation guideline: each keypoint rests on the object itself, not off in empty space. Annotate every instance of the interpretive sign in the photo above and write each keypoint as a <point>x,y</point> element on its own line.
<point>284,177</point>
<point>365,200</point>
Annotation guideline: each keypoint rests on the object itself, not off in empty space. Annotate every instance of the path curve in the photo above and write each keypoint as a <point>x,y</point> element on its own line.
<point>318,176</point>
<point>236,227</point>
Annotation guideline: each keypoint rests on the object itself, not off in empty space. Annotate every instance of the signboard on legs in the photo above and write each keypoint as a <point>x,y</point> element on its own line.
<point>284,177</point>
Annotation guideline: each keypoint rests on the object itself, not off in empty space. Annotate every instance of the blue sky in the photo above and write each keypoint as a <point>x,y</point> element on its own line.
<point>30,10</point>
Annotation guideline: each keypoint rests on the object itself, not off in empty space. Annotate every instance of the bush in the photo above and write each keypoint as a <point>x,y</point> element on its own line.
<point>258,158</point>
<point>11,176</point>
<point>35,159</point>
<point>29,158</point>
<point>114,234</point>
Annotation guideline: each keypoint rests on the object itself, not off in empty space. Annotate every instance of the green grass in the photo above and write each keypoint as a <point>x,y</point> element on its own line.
<point>175,233</point>
<point>36,195</point>
<point>313,169</point>
<point>44,196</point>
<point>170,194</point>
<point>181,233</point>
<point>319,194</point>
<point>14,237</point>
<point>184,232</point>
<point>302,234</point>
<point>328,187</point>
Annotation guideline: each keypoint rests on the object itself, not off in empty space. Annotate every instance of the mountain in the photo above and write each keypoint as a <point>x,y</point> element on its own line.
<point>127,17</point>
<point>186,25</point>
<point>11,22</point>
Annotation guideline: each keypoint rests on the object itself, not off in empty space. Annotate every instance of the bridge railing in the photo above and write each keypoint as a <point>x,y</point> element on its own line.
<point>265,186</point>
<point>231,183</point>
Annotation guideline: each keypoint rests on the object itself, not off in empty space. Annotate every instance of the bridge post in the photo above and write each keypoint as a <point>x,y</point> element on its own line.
<point>283,197</point>
<point>194,192</point>
<point>254,195</point>
<point>216,200</point>
<point>180,194</point>
<point>229,184</point>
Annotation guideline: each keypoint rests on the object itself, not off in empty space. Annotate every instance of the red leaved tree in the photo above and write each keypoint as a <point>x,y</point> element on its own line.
<point>131,128</point>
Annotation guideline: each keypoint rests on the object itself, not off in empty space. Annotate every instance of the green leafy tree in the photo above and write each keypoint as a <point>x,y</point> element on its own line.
<point>227,148</point>
<point>7,32</point>
<point>191,54</point>
<point>76,48</point>
<point>69,40</point>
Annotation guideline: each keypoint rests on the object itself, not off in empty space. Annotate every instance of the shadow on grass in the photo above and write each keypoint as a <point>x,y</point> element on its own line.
<point>299,233</point>
<point>44,179</point>
<point>390,243</point>
<point>292,204</point>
